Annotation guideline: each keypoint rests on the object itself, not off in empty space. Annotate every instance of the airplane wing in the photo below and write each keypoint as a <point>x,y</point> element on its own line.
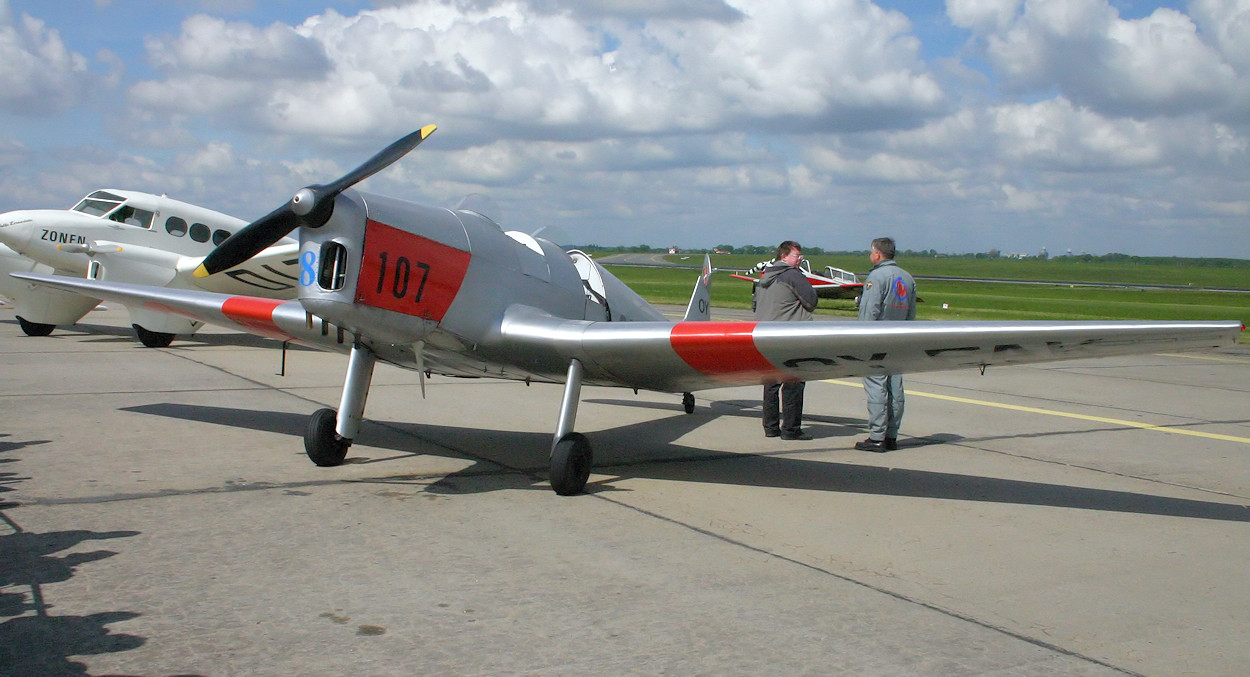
<point>824,289</point>
<point>272,318</point>
<point>689,356</point>
<point>839,291</point>
<point>694,355</point>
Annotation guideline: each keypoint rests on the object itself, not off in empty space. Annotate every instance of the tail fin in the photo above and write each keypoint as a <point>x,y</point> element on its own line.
<point>701,300</point>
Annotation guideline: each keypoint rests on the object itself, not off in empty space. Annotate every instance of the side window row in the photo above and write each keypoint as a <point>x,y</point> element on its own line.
<point>199,232</point>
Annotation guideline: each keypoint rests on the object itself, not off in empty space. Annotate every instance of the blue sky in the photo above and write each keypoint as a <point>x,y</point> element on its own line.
<point>1015,125</point>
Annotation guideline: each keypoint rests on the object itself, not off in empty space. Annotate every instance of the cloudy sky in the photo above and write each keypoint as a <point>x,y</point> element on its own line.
<point>1090,125</point>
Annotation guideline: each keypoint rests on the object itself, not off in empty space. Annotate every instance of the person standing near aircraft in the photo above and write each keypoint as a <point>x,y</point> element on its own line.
<point>785,294</point>
<point>889,294</point>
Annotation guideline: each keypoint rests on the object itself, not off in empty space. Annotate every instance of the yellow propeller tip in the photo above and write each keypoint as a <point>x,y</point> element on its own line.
<point>201,271</point>
<point>427,130</point>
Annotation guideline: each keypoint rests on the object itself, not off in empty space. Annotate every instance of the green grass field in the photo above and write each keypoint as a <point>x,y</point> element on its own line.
<point>973,300</point>
<point>1061,269</point>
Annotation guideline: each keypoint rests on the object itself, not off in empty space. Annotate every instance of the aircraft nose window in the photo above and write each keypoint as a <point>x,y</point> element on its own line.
<point>333,266</point>
<point>200,232</point>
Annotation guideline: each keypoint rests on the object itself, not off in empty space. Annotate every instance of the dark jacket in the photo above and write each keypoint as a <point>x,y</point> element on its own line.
<point>783,293</point>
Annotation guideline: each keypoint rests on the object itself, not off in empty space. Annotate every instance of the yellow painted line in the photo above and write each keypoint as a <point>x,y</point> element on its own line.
<point>1064,414</point>
<point>1207,357</point>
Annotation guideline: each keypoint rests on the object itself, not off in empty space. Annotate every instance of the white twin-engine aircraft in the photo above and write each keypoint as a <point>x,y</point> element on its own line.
<point>448,292</point>
<point>128,236</point>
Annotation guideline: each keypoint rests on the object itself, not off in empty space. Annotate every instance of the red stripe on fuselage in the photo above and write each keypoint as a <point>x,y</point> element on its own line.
<point>255,314</point>
<point>722,349</point>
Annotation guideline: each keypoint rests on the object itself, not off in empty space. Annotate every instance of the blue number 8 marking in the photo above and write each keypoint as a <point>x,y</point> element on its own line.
<point>307,271</point>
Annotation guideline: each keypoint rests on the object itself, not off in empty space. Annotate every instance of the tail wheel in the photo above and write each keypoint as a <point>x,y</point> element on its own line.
<point>322,444</point>
<point>35,328</point>
<point>153,339</point>
<point>570,464</point>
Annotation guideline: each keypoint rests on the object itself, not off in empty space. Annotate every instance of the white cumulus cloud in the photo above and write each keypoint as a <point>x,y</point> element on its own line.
<point>1160,64</point>
<point>39,75</point>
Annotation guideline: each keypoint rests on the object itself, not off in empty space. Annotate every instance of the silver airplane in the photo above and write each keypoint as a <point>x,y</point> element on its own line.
<point>129,236</point>
<point>447,291</point>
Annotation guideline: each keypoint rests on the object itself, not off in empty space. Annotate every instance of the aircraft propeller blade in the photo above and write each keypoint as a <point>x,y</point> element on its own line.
<point>311,207</point>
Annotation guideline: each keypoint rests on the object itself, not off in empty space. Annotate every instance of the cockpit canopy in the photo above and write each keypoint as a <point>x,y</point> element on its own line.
<point>113,207</point>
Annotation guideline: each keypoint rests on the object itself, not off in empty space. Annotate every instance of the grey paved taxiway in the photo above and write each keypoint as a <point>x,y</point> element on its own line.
<point>158,517</point>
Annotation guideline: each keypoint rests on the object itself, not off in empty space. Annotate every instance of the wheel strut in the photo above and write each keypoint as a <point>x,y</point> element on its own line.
<point>329,434</point>
<point>355,391</point>
<point>571,456</point>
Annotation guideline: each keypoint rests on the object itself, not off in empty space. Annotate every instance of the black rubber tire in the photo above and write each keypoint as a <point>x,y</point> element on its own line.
<point>571,460</point>
<point>687,402</point>
<point>322,444</point>
<point>153,339</point>
<point>34,328</point>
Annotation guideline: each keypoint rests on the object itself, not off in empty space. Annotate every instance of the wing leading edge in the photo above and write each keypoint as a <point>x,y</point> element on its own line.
<point>696,355</point>
<point>689,356</point>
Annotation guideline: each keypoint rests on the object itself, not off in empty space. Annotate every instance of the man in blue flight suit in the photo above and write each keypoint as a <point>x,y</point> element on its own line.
<point>889,294</point>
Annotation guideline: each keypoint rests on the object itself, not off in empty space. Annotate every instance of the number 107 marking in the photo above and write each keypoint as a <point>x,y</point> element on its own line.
<point>402,276</point>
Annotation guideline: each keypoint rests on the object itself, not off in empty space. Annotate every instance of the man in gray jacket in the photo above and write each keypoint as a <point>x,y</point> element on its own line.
<point>783,293</point>
<point>889,294</point>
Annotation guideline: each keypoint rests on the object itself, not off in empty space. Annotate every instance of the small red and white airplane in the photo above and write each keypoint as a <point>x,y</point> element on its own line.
<point>447,291</point>
<point>129,236</point>
<point>835,283</point>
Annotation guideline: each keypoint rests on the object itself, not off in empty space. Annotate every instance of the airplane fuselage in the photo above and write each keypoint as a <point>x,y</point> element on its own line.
<point>66,239</point>
<point>135,237</point>
<point>404,273</point>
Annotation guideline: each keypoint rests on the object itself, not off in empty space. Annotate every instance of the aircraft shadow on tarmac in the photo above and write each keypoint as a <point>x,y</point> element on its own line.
<point>34,641</point>
<point>95,334</point>
<point>648,450</point>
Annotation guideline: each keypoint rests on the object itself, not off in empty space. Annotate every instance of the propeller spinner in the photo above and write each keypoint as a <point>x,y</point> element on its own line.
<point>311,208</point>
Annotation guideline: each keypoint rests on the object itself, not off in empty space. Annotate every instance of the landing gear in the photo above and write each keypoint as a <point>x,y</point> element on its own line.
<point>571,459</point>
<point>35,328</point>
<point>329,434</point>
<point>687,402</point>
<point>153,339</point>
<point>322,444</point>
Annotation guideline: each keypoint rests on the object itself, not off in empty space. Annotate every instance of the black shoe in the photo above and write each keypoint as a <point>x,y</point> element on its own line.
<point>870,444</point>
<point>800,435</point>
<point>771,433</point>
<point>890,443</point>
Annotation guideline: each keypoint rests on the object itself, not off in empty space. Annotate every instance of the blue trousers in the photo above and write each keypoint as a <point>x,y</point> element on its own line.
<point>885,405</point>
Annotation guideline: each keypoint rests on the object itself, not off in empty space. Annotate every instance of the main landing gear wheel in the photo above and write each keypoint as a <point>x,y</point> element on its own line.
<point>153,339</point>
<point>35,328</point>
<point>570,464</point>
<point>687,402</point>
<point>322,444</point>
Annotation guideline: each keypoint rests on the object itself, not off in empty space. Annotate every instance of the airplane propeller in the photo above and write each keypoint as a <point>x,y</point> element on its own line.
<point>311,207</point>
